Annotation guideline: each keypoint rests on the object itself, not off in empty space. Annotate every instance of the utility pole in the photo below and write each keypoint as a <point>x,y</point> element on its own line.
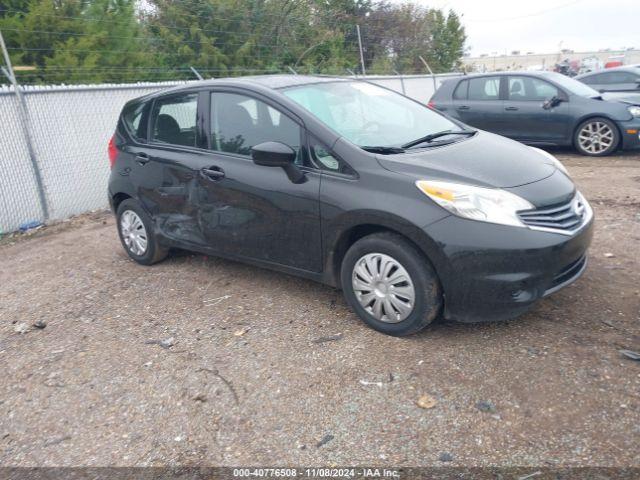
<point>23,113</point>
<point>364,72</point>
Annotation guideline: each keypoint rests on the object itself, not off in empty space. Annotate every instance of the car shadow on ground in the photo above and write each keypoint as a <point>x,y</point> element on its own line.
<point>334,299</point>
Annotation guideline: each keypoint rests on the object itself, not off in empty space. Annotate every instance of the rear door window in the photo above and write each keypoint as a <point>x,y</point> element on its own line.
<point>622,77</point>
<point>591,80</point>
<point>484,88</point>
<point>175,120</point>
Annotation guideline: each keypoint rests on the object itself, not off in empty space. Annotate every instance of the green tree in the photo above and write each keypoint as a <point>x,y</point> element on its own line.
<point>448,42</point>
<point>81,41</point>
<point>108,48</point>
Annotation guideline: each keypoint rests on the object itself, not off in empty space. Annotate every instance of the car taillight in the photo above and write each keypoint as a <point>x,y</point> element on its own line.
<point>431,105</point>
<point>113,151</point>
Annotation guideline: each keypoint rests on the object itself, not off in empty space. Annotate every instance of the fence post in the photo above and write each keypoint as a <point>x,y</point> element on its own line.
<point>364,72</point>
<point>430,71</point>
<point>196,73</point>
<point>401,81</point>
<point>23,113</point>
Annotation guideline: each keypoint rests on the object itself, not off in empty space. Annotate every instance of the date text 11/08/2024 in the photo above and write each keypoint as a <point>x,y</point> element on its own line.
<point>316,472</point>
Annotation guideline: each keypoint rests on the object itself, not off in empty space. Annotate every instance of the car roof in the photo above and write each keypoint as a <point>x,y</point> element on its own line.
<point>540,74</point>
<point>283,81</point>
<point>273,82</point>
<point>624,68</point>
<point>532,73</point>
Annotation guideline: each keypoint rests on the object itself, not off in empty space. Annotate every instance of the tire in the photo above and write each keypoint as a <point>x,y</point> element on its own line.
<point>132,233</point>
<point>375,253</point>
<point>596,137</point>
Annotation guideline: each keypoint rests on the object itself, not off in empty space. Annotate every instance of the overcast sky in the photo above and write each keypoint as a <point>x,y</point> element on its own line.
<point>540,25</point>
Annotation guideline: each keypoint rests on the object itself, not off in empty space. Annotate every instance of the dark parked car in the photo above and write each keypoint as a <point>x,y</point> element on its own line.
<point>541,108</point>
<point>411,213</point>
<point>620,79</point>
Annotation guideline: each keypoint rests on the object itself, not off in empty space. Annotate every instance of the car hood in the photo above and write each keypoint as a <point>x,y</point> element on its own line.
<point>486,160</point>
<point>626,98</point>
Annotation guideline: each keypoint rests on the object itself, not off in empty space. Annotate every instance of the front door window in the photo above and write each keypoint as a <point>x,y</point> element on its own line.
<point>239,122</point>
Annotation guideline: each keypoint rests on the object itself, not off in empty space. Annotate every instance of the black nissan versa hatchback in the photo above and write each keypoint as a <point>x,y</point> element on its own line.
<point>411,213</point>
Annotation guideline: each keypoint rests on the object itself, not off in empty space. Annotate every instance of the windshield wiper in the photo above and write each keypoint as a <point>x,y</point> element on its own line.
<point>433,136</point>
<point>383,150</point>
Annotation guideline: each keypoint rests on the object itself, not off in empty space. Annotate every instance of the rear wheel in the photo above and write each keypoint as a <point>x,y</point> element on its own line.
<point>390,284</point>
<point>596,137</point>
<point>135,229</point>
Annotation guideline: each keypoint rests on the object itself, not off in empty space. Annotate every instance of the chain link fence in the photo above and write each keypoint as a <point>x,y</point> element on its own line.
<point>69,128</point>
<point>69,131</point>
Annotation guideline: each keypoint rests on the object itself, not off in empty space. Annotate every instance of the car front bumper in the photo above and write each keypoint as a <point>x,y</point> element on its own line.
<point>630,131</point>
<point>493,272</point>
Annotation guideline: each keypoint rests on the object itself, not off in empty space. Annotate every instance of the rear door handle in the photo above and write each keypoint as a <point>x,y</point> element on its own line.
<point>142,158</point>
<point>464,107</point>
<point>213,173</point>
<point>511,109</point>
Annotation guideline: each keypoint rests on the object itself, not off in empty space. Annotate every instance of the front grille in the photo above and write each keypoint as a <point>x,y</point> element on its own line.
<point>562,217</point>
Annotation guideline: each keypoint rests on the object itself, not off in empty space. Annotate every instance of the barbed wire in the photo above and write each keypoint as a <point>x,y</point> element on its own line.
<point>333,23</point>
<point>157,39</point>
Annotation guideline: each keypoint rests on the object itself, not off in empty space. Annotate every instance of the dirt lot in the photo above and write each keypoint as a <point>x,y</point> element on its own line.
<point>247,381</point>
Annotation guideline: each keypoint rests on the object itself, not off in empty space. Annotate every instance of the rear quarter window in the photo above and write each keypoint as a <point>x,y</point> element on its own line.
<point>460,93</point>
<point>132,118</point>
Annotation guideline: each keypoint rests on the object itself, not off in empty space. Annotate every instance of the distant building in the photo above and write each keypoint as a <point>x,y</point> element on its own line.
<point>588,61</point>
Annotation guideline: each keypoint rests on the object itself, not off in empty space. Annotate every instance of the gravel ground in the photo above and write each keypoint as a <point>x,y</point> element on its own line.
<point>248,379</point>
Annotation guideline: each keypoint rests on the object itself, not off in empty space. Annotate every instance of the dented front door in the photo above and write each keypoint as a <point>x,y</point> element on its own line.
<point>253,211</point>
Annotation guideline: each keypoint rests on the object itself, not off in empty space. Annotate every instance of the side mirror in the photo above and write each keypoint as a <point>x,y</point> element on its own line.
<point>552,102</point>
<point>276,154</point>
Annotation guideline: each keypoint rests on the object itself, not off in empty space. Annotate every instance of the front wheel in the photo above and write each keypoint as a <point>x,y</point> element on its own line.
<point>390,284</point>
<point>596,137</point>
<point>135,229</point>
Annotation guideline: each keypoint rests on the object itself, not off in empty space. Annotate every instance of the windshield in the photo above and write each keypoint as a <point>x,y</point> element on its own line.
<point>369,115</point>
<point>573,86</point>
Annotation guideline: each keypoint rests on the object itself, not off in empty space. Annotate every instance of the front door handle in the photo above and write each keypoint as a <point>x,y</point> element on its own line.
<point>213,173</point>
<point>464,107</point>
<point>511,109</point>
<point>142,158</point>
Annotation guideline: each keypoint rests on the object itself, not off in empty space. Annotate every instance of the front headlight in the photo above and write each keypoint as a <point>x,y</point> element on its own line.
<point>555,161</point>
<point>476,203</point>
<point>634,110</point>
